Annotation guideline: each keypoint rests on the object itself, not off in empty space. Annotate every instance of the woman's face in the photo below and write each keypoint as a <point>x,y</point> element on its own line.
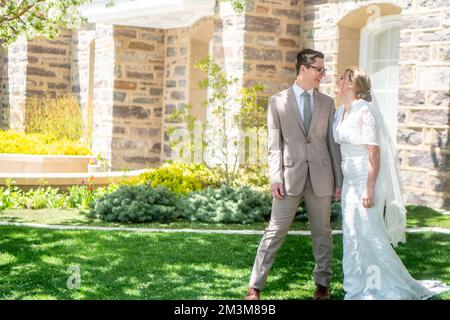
<point>343,85</point>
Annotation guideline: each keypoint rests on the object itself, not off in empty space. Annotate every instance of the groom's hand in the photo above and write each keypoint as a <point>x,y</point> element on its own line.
<point>277,191</point>
<point>337,194</point>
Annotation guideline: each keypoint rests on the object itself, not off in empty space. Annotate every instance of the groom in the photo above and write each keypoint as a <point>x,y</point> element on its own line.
<point>304,163</point>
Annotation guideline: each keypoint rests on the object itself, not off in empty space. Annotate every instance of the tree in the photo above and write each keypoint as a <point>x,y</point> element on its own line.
<point>33,18</point>
<point>221,135</point>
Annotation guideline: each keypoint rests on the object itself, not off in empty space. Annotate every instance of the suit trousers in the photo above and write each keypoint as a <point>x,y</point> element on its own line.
<point>283,213</point>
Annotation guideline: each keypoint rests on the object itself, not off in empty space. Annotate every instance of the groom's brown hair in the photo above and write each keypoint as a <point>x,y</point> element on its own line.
<point>307,57</point>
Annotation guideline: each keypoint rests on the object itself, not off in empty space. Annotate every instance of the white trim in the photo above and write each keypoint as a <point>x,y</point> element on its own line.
<point>161,14</point>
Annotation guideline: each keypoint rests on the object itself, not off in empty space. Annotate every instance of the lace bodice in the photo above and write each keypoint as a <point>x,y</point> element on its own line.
<point>359,126</point>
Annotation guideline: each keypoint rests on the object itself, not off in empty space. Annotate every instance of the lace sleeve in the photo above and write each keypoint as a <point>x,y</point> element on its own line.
<point>368,128</point>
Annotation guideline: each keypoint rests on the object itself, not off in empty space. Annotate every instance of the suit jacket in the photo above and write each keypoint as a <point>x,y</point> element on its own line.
<point>292,152</point>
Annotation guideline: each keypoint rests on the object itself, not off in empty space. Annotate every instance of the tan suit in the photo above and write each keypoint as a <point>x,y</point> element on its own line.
<point>308,165</point>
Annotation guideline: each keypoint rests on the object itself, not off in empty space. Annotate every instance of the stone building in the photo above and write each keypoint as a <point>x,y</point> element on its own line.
<point>133,64</point>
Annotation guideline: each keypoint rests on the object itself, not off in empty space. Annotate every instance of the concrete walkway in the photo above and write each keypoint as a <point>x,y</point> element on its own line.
<point>147,230</point>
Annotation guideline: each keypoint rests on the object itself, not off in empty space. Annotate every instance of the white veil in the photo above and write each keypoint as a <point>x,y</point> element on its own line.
<point>388,176</point>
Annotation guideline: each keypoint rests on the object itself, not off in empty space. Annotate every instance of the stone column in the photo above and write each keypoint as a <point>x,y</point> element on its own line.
<point>4,90</point>
<point>103,91</point>
<point>176,87</point>
<point>424,102</point>
<point>82,70</point>
<point>17,83</point>
<point>137,97</point>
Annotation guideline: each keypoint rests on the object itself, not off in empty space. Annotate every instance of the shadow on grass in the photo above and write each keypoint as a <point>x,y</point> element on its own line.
<point>421,216</point>
<point>120,265</point>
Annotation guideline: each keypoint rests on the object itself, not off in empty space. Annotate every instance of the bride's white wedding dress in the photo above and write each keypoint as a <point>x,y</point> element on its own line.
<point>372,269</point>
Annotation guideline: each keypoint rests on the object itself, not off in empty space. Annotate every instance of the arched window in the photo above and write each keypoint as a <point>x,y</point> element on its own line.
<point>379,55</point>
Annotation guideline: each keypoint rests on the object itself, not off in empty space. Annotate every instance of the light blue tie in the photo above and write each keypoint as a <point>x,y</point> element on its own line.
<point>306,110</point>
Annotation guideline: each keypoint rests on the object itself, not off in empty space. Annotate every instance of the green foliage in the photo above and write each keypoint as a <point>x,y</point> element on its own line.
<point>178,177</point>
<point>227,205</point>
<point>238,5</point>
<point>215,134</point>
<point>33,18</point>
<point>79,197</point>
<point>11,196</point>
<point>254,176</point>
<point>19,142</point>
<point>137,204</point>
<point>252,120</point>
<point>253,108</point>
<point>58,118</point>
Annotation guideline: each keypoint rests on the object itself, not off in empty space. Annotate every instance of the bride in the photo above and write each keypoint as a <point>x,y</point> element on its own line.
<point>373,216</point>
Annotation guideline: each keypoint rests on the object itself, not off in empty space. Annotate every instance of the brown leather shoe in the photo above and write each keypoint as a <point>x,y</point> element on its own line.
<point>252,294</point>
<point>322,293</point>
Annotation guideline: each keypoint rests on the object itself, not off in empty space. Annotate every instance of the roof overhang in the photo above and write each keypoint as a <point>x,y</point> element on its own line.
<point>160,14</point>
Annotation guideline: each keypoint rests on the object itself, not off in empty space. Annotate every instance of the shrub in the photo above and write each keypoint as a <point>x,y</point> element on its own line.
<point>19,142</point>
<point>11,197</point>
<point>178,177</point>
<point>59,118</point>
<point>254,176</point>
<point>137,203</point>
<point>42,198</point>
<point>227,205</point>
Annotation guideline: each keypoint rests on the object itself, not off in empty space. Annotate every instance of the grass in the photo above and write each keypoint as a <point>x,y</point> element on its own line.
<point>122,265</point>
<point>417,217</point>
<point>83,218</point>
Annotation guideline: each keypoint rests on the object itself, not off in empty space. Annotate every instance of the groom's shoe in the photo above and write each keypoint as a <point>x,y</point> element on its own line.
<point>252,294</point>
<point>322,293</point>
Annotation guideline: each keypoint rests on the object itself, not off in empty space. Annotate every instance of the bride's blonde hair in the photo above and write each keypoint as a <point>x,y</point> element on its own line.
<point>361,83</point>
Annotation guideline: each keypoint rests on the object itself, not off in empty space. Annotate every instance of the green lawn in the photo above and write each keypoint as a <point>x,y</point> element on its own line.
<point>124,265</point>
<point>417,217</point>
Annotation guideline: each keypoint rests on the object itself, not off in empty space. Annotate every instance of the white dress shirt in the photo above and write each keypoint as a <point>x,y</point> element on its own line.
<point>300,100</point>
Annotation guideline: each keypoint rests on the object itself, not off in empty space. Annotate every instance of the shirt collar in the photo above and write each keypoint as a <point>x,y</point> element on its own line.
<point>298,90</point>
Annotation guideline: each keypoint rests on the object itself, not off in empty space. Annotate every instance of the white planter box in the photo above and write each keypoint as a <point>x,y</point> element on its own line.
<point>30,163</point>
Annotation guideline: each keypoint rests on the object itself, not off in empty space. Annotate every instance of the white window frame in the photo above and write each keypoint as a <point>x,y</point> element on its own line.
<point>366,52</point>
<point>369,32</point>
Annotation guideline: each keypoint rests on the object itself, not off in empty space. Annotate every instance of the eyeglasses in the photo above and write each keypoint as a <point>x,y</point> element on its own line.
<point>319,69</point>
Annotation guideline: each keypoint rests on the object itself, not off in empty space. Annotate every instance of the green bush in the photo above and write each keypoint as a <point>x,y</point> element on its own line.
<point>227,205</point>
<point>254,176</point>
<point>137,203</point>
<point>178,177</point>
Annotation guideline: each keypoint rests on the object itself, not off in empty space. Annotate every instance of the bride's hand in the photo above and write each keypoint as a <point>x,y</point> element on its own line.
<point>368,198</point>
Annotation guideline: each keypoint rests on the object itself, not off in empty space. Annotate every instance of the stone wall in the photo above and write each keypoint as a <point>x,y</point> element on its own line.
<point>49,63</point>
<point>138,95</point>
<point>424,102</point>
<point>272,41</point>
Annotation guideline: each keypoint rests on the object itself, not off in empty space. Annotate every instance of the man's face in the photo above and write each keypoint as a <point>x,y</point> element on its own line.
<point>313,74</point>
